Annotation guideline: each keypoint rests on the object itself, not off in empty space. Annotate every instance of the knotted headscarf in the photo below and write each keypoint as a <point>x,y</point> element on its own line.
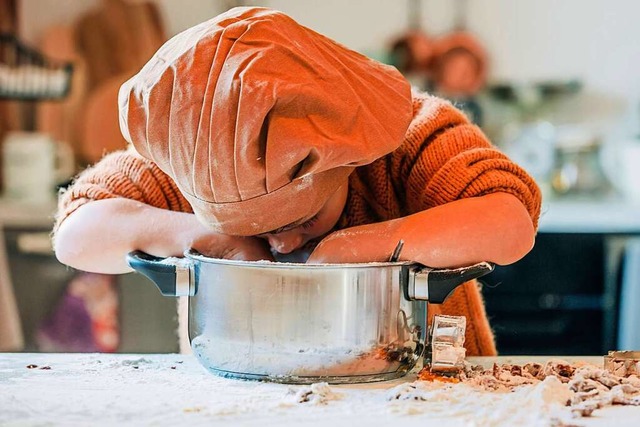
<point>259,120</point>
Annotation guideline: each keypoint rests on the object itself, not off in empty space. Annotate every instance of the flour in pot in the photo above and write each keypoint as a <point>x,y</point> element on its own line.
<point>280,360</point>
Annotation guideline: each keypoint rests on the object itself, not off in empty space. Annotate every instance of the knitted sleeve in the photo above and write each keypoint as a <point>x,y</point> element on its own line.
<point>121,174</point>
<point>446,158</point>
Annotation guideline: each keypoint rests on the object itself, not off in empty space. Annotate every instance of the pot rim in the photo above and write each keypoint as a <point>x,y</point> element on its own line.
<point>195,255</point>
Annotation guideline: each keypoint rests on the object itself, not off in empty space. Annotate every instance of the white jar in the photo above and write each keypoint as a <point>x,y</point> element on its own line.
<point>33,163</point>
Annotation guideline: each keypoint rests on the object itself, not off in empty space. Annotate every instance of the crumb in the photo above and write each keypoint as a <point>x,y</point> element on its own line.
<point>316,393</point>
<point>592,387</point>
<point>426,374</point>
<point>406,391</point>
<point>560,423</point>
<point>391,353</point>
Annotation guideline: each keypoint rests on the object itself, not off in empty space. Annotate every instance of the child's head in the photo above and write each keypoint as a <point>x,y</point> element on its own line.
<point>293,236</point>
<point>260,120</point>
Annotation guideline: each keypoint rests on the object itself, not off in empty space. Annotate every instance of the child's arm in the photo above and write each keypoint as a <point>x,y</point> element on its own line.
<point>125,203</point>
<point>458,200</point>
<point>99,234</point>
<point>495,228</point>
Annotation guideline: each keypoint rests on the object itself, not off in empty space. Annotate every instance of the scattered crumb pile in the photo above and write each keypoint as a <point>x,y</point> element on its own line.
<point>591,387</point>
<point>315,394</point>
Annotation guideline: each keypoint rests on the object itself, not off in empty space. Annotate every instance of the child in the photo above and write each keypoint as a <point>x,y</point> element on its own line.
<point>253,136</point>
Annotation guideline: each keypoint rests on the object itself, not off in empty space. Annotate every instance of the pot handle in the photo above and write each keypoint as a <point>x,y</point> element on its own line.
<point>435,284</point>
<point>174,277</point>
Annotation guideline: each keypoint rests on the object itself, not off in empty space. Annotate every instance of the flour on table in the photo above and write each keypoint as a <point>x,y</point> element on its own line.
<point>172,389</point>
<point>315,394</point>
<point>537,405</point>
<point>533,394</point>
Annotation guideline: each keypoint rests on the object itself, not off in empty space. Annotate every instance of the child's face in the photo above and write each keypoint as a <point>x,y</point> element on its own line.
<point>291,237</point>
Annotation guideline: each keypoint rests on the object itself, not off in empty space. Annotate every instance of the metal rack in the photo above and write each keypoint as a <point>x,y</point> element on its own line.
<point>27,75</point>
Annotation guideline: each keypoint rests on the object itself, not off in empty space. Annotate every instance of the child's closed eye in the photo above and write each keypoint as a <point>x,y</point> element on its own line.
<point>310,222</point>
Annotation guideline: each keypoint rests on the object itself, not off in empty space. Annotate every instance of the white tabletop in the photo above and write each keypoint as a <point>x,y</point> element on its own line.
<point>171,389</point>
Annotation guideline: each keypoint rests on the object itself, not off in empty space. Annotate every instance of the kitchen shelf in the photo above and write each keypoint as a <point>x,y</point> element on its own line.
<point>27,75</point>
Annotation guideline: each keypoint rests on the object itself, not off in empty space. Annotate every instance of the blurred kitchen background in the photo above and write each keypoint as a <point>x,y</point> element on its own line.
<point>555,84</point>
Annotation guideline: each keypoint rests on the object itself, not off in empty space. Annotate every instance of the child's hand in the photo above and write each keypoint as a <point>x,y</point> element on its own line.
<point>328,251</point>
<point>345,246</point>
<point>233,247</point>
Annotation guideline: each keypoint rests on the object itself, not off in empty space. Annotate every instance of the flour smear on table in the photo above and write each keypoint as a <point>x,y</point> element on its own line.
<point>174,390</point>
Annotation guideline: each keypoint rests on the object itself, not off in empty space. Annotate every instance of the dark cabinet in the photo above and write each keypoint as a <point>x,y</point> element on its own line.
<point>561,299</point>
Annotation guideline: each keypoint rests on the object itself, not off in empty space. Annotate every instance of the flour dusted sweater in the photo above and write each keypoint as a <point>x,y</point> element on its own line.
<point>442,158</point>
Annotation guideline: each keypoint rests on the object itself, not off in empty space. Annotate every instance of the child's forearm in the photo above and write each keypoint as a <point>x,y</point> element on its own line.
<point>495,228</point>
<point>98,235</point>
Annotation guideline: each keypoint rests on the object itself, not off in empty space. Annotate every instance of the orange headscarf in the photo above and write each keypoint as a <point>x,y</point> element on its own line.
<point>259,119</point>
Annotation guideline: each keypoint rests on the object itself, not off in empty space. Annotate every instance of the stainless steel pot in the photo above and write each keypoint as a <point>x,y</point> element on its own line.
<point>303,323</point>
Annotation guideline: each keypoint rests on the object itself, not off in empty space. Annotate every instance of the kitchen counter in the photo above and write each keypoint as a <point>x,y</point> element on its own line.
<point>22,214</point>
<point>574,215</point>
<point>173,389</point>
<point>558,215</point>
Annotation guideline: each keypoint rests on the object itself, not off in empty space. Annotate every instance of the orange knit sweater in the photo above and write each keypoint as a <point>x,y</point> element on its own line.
<point>443,158</point>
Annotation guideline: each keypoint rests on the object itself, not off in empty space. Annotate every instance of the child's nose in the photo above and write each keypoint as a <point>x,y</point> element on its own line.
<point>285,242</point>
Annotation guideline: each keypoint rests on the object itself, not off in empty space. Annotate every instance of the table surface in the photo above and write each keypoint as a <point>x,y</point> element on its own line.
<point>170,389</point>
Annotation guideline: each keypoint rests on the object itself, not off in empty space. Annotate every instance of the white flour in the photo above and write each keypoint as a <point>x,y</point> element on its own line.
<point>282,360</point>
<point>536,405</point>
<point>159,390</point>
<point>316,394</point>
